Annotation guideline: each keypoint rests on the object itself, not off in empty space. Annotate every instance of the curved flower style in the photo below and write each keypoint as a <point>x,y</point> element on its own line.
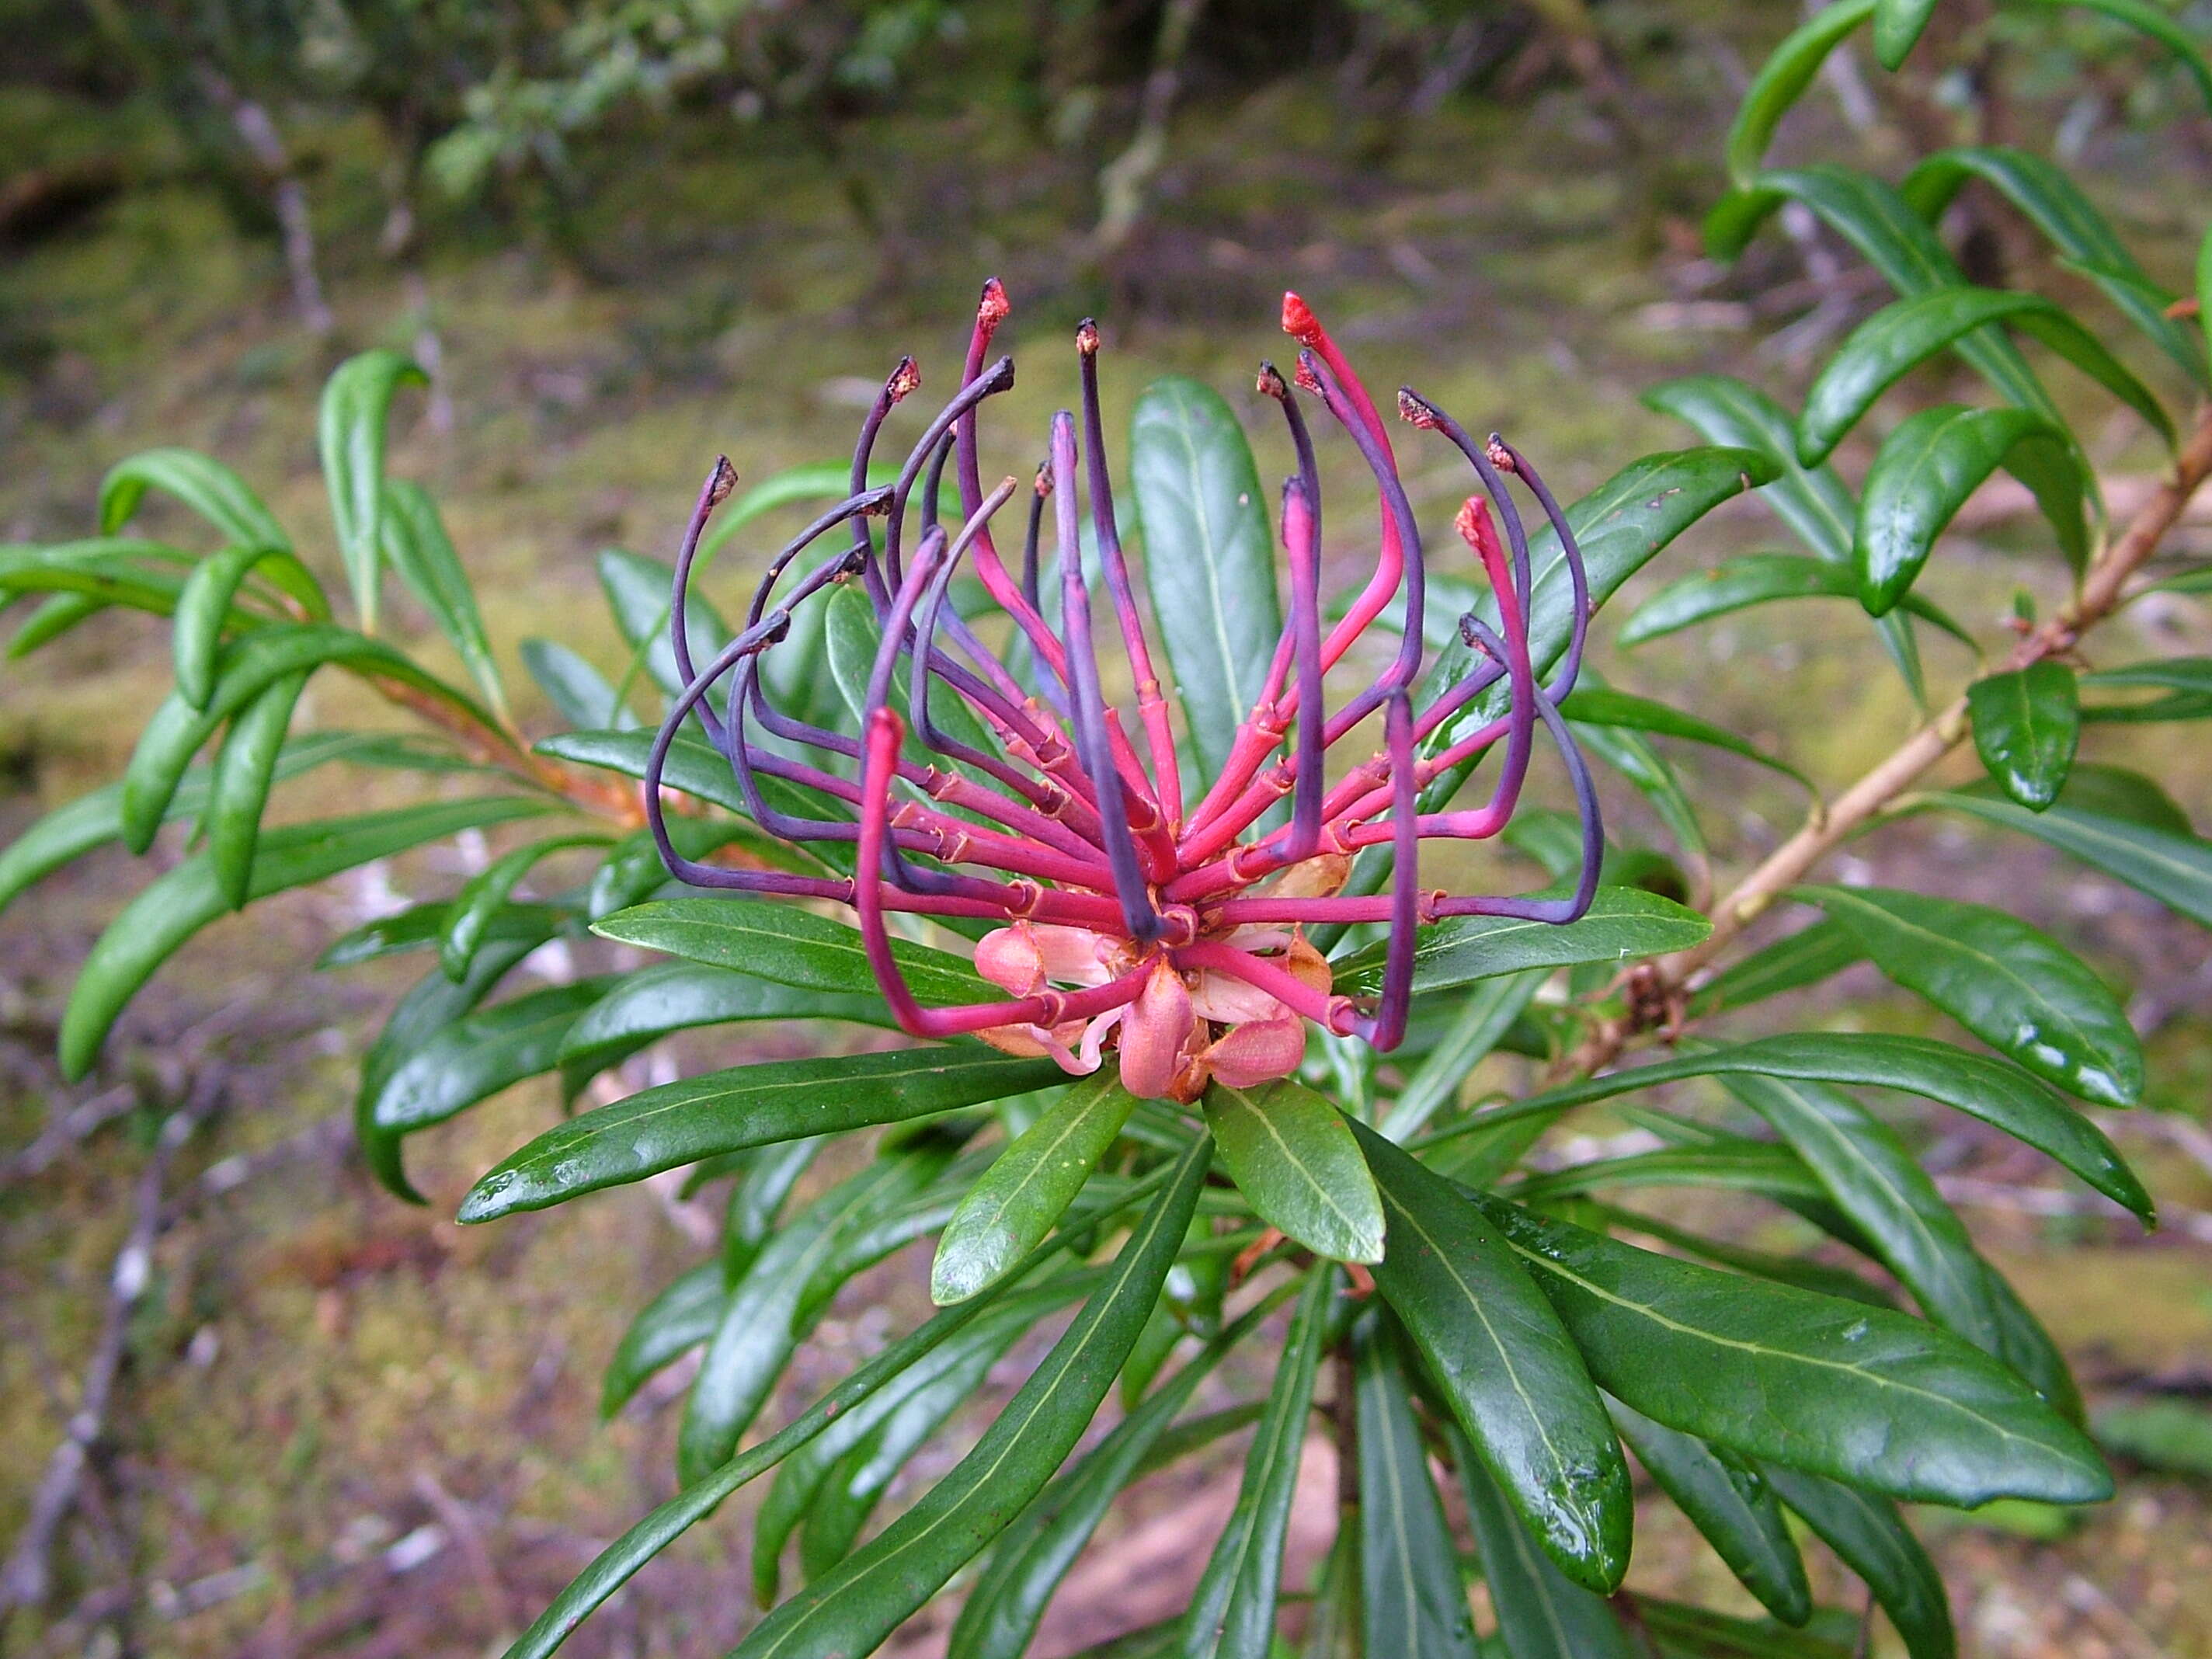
<point>1131,915</point>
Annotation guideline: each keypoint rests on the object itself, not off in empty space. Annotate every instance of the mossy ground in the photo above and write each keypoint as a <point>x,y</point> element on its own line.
<point>321,1373</point>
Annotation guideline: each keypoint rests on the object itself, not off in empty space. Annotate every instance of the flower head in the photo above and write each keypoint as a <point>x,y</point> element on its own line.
<point>1132,917</point>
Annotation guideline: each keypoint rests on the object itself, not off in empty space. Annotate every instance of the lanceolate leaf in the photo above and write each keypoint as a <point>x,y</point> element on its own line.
<point>205,610</point>
<point>1812,500</point>
<point>2057,207</point>
<point>873,1591</point>
<point>2027,723</point>
<point>1760,579</point>
<point>1875,1542</point>
<point>1871,1176</point>
<point>1782,80</point>
<point>180,903</point>
<point>1413,1600</point>
<point>415,540</point>
<point>681,1122</point>
<point>1232,1611</point>
<point>1541,1614</point>
<point>1883,348</point>
<point>678,996</point>
<point>469,1061</point>
<point>1598,705</point>
<point>485,893</point>
<point>356,402</point>
<point>238,787</point>
<point>789,945</point>
<point>1831,1387</point>
<point>2173,868</point>
<point>761,1321</point>
<point>1209,555</point>
<point>678,1319</point>
<point>1505,1366</point>
<point>1995,1090</point>
<point>637,591</point>
<point>579,694</point>
<point>1897,26</point>
<point>1730,1503</point>
<point>694,768</point>
<point>1484,1013</point>
<point>1931,464</point>
<point>1789,964</point>
<point>2187,679</point>
<point>1002,1612</point>
<point>1622,923</point>
<point>202,484</point>
<point>1292,1156</point>
<point>2012,984</point>
<point>1017,1203</point>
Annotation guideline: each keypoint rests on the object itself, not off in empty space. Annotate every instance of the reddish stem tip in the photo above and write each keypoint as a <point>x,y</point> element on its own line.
<point>725,480</point>
<point>905,379</point>
<point>1087,337</point>
<point>1270,383</point>
<point>1500,456</point>
<point>993,308</point>
<point>1298,321</point>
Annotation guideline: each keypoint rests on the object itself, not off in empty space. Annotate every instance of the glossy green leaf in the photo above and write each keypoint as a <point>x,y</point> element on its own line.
<point>1293,1157</point>
<point>1884,348</point>
<point>485,893</point>
<point>1830,1386</point>
<point>356,406</point>
<point>1758,579</point>
<point>1232,1611</point>
<point>1804,1272</point>
<point>1505,1366</point>
<point>2027,723</point>
<point>2173,868</point>
<point>57,614</point>
<point>681,1318</point>
<point>1872,1539</point>
<point>205,609</point>
<point>681,1122</point>
<point>761,1321</point>
<point>1622,923</point>
<point>789,945</point>
<point>420,927</point>
<point>1001,1613</point>
<point>247,667</point>
<point>1541,1612</point>
<point>1648,773</point>
<point>1984,1086</point>
<point>239,783</point>
<point>116,570</point>
<point>415,541</point>
<point>184,900</point>
<point>579,692</point>
<point>872,1590</point>
<point>1209,555</point>
<point>1868,1175</point>
<point>1484,1013</point>
<point>2111,792</point>
<point>1730,1503</point>
<point>1789,964</point>
<point>1735,1164</point>
<point>666,996</point>
<point>202,484</point>
<point>694,768</point>
<point>804,1492</point>
<point>851,637</point>
<point>1812,500</point>
<point>1875,221</point>
<point>1017,1203</point>
<point>2010,984</point>
<point>1897,27</point>
<point>1414,1599</point>
<point>1782,80</point>
<point>1927,468</point>
<point>1684,1631</point>
<point>2054,203</point>
<point>468,1061</point>
<point>1600,705</point>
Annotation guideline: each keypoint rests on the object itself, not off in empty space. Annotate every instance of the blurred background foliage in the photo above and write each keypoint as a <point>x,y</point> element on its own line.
<point>625,234</point>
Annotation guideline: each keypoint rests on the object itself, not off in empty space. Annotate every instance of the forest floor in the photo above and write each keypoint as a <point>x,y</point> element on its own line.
<point>349,1427</point>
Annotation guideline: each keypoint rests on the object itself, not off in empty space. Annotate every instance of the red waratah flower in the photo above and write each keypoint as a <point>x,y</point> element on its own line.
<point>1171,931</point>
